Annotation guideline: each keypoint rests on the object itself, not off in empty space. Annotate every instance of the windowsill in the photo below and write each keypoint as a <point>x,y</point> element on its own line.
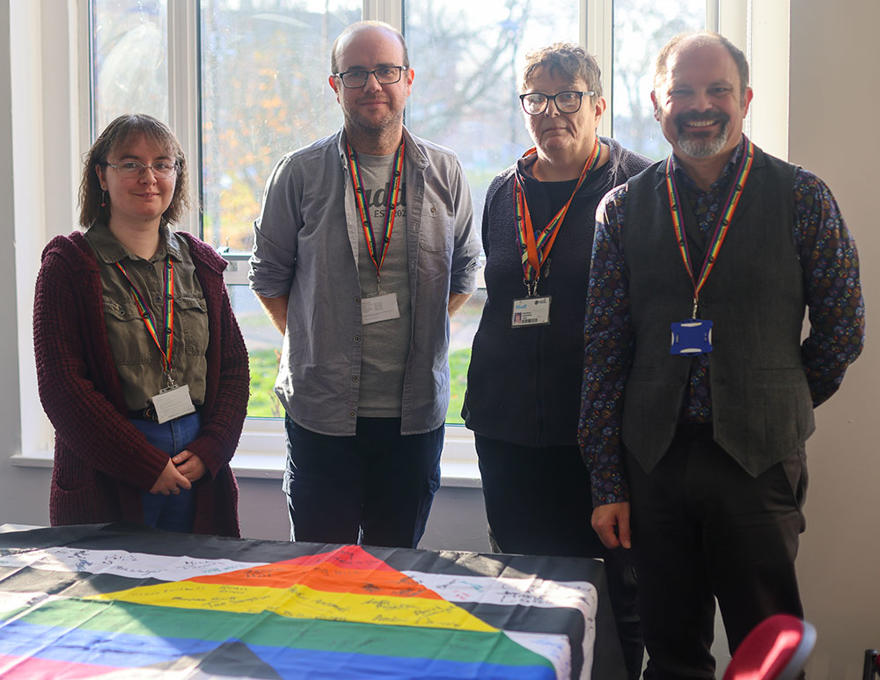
<point>261,453</point>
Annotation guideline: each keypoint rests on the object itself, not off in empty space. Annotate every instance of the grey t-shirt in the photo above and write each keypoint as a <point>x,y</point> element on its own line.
<point>385,343</point>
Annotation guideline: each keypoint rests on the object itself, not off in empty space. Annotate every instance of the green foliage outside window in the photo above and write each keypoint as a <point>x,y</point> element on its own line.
<point>264,368</point>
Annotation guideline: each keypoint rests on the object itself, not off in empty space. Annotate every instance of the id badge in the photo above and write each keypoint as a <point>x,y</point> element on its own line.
<point>172,403</point>
<point>531,311</point>
<point>691,337</point>
<point>379,308</point>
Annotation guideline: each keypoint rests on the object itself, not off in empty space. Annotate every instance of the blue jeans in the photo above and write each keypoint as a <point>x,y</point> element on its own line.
<point>172,512</point>
<point>376,487</point>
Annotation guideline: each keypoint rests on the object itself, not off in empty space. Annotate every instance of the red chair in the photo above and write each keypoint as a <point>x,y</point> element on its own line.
<point>776,649</point>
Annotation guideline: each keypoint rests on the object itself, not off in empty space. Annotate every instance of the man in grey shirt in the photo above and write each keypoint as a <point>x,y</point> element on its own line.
<point>364,247</point>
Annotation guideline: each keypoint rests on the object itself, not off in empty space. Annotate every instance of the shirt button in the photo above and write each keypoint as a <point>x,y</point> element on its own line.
<point>357,338</point>
<point>357,298</point>
<point>354,378</point>
<point>352,414</point>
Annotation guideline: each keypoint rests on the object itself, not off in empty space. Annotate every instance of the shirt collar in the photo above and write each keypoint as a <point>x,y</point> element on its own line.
<point>109,250</point>
<point>413,152</point>
<point>723,178</point>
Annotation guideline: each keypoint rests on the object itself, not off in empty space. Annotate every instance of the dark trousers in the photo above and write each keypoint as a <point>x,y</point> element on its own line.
<point>374,488</point>
<point>705,528</point>
<point>538,503</point>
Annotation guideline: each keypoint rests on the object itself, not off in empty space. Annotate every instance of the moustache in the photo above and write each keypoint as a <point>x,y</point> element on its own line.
<point>683,119</point>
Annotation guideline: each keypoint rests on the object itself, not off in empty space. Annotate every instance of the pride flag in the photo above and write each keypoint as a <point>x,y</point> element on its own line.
<point>87,602</point>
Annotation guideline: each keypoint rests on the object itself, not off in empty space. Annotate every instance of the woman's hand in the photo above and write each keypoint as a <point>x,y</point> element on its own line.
<point>190,465</point>
<point>171,481</point>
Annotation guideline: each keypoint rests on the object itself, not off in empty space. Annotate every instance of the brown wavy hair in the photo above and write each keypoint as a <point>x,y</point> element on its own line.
<point>118,133</point>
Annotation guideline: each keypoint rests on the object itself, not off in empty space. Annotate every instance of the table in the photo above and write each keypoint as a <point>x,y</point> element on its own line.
<point>122,601</point>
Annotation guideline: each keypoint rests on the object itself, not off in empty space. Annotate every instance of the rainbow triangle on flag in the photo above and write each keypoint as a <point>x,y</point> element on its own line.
<point>338,614</point>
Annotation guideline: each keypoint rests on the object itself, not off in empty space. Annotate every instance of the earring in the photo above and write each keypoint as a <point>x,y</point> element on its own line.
<point>103,198</point>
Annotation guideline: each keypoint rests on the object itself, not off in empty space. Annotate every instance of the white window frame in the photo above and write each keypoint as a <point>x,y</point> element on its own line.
<point>50,121</point>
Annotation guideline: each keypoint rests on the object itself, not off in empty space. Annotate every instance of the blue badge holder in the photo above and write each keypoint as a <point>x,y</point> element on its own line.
<point>690,337</point>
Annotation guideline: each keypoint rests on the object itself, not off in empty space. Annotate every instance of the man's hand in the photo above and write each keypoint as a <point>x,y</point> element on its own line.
<point>170,481</point>
<point>611,523</point>
<point>189,465</point>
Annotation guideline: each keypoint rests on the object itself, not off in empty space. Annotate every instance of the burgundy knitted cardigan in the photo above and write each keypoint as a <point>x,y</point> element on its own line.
<point>102,462</point>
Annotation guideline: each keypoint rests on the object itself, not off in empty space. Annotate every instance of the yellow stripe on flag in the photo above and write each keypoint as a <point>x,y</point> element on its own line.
<point>301,602</point>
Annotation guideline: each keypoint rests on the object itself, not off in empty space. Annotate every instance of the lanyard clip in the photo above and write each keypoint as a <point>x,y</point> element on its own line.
<point>694,312</point>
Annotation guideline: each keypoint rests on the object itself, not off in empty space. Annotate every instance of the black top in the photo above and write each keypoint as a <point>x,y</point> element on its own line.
<point>524,383</point>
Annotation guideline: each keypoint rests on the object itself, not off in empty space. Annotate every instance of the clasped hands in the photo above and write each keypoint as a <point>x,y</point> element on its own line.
<point>179,473</point>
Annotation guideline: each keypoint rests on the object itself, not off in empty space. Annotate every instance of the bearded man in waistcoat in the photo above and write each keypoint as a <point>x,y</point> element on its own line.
<point>698,392</point>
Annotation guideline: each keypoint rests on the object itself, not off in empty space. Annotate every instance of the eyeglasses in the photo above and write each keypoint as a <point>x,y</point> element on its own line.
<point>132,169</point>
<point>357,77</point>
<point>568,101</point>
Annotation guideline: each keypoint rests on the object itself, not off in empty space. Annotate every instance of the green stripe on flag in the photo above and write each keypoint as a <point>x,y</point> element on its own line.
<point>272,630</point>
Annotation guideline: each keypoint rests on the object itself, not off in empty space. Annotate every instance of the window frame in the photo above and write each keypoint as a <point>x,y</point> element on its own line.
<point>51,123</point>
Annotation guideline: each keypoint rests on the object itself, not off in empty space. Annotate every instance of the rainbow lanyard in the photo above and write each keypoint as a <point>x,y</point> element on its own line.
<point>724,219</point>
<point>536,250</point>
<point>364,211</point>
<point>147,317</point>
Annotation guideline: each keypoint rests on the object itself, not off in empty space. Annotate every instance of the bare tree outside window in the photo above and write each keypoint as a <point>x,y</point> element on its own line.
<point>641,28</point>
<point>468,58</point>
<point>263,79</point>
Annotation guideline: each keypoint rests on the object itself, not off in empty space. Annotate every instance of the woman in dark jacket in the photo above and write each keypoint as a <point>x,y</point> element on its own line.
<point>524,379</point>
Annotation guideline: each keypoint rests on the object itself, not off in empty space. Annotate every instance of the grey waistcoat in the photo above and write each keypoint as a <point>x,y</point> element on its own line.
<point>761,406</point>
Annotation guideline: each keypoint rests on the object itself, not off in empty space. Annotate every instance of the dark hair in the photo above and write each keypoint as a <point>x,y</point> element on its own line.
<point>703,38</point>
<point>119,132</point>
<point>359,26</point>
<point>568,61</point>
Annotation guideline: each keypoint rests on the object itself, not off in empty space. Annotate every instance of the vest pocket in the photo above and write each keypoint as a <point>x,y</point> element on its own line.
<point>129,341</point>
<point>192,313</point>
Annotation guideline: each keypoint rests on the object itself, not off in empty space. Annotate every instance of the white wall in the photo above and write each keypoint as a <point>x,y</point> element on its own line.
<point>834,100</point>
<point>834,97</point>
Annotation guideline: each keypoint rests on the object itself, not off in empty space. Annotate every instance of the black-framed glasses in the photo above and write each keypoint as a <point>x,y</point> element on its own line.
<point>567,101</point>
<point>131,169</point>
<point>357,77</point>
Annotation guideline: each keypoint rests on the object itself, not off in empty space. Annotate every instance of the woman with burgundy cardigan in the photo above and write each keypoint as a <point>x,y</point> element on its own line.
<point>142,368</point>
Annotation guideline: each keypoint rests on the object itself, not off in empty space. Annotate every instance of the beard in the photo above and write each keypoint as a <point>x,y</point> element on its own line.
<point>702,147</point>
<point>372,125</point>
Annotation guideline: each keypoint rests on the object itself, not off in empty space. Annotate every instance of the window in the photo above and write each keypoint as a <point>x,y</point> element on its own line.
<point>468,58</point>
<point>264,92</point>
<point>129,67</point>
<point>640,29</point>
<point>244,81</point>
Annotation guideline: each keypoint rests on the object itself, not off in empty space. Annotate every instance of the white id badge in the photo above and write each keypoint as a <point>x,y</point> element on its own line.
<point>379,308</point>
<point>532,311</point>
<point>173,403</point>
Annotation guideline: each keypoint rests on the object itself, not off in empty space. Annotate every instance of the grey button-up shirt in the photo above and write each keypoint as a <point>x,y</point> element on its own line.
<point>305,248</point>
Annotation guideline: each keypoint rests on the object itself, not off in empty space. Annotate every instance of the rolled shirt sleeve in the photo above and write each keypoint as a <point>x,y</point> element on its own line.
<point>273,261</point>
<point>466,242</point>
